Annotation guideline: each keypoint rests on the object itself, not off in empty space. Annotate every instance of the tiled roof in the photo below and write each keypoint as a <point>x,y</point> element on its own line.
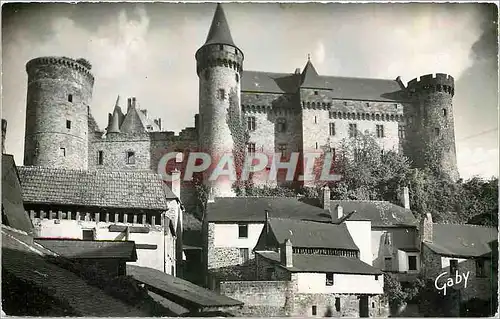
<point>380,213</point>
<point>308,234</point>
<point>180,291</point>
<point>252,209</point>
<point>462,240</point>
<point>134,190</point>
<point>90,249</point>
<point>324,263</point>
<point>348,88</point>
<point>219,30</point>
<point>20,259</point>
<point>12,199</point>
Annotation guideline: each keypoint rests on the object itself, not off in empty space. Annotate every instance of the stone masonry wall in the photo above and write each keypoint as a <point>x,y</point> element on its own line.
<point>58,99</point>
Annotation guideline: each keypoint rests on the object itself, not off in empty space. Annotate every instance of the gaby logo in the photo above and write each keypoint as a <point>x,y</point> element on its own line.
<point>224,167</point>
<point>451,281</point>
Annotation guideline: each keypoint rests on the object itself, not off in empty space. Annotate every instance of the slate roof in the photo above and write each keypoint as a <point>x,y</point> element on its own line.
<point>311,79</point>
<point>12,199</point>
<point>25,261</point>
<point>133,190</point>
<point>252,209</point>
<point>308,234</point>
<point>462,240</point>
<point>323,263</point>
<point>219,30</point>
<point>342,88</point>
<point>380,213</point>
<point>90,249</point>
<point>180,291</point>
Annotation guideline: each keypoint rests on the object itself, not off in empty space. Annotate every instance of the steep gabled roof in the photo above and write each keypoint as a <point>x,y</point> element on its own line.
<point>12,198</point>
<point>219,30</point>
<point>462,240</point>
<point>132,190</point>
<point>311,79</point>
<point>307,234</point>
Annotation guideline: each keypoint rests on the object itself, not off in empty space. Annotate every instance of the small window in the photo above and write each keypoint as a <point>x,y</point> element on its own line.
<point>237,77</point>
<point>149,128</point>
<point>242,231</point>
<point>100,158</point>
<point>68,124</point>
<point>445,112</point>
<point>367,104</point>
<point>251,123</point>
<point>453,266</point>
<point>380,131</point>
<point>314,310</point>
<point>221,94</point>
<point>281,125</point>
<point>401,131</point>
<point>130,157</point>
<point>70,97</point>
<point>353,130</point>
<point>436,131</point>
<point>243,255</point>
<point>315,120</point>
<point>332,129</point>
<point>412,263</point>
<point>316,145</point>
<point>315,92</point>
<point>373,304</point>
<point>282,149</point>
<point>376,277</point>
<point>88,234</point>
<point>251,148</point>
<point>337,304</point>
<point>480,270</point>
<point>329,279</point>
<point>63,151</point>
<point>332,115</point>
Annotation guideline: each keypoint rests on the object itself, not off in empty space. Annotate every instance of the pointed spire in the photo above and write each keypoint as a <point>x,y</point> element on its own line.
<point>310,77</point>
<point>117,104</point>
<point>219,30</point>
<point>115,122</point>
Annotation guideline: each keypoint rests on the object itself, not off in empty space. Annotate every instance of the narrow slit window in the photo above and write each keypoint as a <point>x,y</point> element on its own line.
<point>70,98</point>
<point>100,158</point>
<point>63,151</point>
<point>68,124</point>
<point>130,157</point>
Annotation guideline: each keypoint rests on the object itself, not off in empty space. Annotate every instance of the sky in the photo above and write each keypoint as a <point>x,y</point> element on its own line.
<point>147,50</point>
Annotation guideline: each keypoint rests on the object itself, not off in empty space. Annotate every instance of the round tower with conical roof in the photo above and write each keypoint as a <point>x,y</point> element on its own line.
<point>57,112</point>
<point>219,64</point>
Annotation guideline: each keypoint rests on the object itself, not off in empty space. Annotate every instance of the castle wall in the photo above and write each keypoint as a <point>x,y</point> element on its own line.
<point>58,99</point>
<point>115,148</point>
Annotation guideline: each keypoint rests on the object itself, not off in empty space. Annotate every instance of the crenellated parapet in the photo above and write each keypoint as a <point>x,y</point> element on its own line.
<point>219,55</point>
<point>77,65</point>
<point>431,83</point>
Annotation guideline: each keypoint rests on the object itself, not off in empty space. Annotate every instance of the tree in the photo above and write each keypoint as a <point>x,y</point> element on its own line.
<point>398,295</point>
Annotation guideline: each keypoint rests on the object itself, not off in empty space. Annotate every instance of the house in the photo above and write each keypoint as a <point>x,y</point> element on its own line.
<point>394,245</point>
<point>467,250</point>
<point>309,269</point>
<point>109,255</point>
<point>102,205</point>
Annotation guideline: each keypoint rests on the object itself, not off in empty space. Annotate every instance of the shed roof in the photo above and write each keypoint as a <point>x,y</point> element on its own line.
<point>133,190</point>
<point>323,264</point>
<point>90,249</point>
<point>180,291</point>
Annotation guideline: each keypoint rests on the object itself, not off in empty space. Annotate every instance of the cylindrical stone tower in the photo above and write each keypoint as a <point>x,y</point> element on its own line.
<point>432,140</point>
<point>219,67</point>
<point>57,109</point>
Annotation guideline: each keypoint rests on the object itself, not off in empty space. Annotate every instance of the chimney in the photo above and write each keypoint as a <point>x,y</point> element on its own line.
<point>286,253</point>
<point>339,212</point>
<point>158,122</point>
<point>426,228</point>
<point>129,104</point>
<point>4,133</point>
<point>401,84</point>
<point>176,183</point>
<point>266,228</point>
<point>404,197</point>
<point>297,71</point>
<point>133,102</point>
<point>326,198</point>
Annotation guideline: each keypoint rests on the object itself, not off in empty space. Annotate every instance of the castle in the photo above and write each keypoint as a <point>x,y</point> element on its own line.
<point>301,111</point>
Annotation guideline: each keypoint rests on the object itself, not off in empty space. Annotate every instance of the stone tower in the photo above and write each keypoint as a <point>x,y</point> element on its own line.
<point>431,123</point>
<point>219,64</point>
<point>57,111</point>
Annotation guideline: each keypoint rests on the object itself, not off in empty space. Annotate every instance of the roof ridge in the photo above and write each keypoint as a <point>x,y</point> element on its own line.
<point>470,225</point>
